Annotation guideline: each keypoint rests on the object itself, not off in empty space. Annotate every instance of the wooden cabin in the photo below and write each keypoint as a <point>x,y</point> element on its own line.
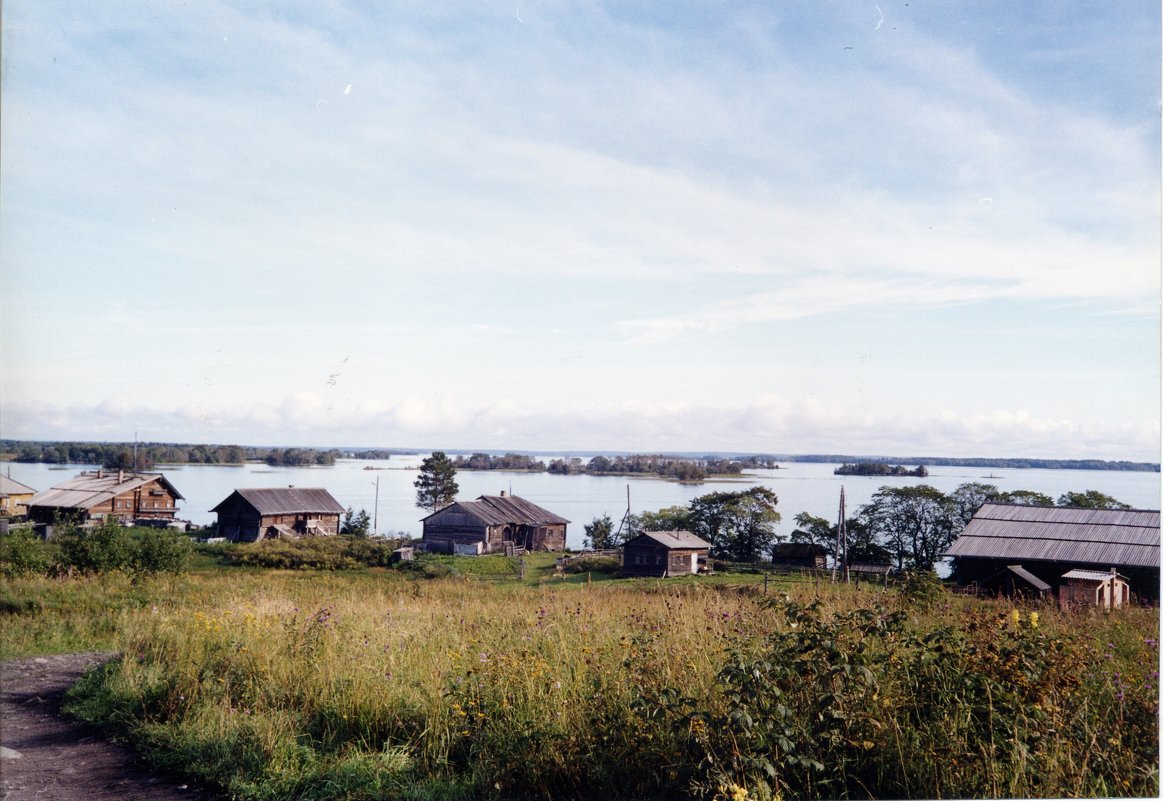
<point>1051,541</point>
<point>14,497</point>
<point>665,553</point>
<point>129,497</point>
<point>494,523</point>
<point>800,554</point>
<point>247,515</point>
<point>1106,590</point>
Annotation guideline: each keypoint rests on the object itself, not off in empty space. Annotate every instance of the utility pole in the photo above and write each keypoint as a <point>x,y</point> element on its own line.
<point>376,511</point>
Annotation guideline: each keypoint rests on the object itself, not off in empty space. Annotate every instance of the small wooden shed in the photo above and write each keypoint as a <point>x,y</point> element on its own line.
<point>800,554</point>
<point>665,553</point>
<point>1106,590</point>
<point>247,515</point>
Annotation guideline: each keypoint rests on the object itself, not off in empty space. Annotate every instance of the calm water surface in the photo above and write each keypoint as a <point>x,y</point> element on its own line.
<point>801,487</point>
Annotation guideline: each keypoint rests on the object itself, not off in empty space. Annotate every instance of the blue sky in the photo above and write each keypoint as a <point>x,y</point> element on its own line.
<point>906,228</point>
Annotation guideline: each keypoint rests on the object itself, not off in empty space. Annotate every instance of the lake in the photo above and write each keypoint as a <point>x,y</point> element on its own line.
<point>801,487</point>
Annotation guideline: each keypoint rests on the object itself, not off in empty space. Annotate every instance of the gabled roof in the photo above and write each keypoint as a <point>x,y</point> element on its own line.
<point>674,539</point>
<point>1092,575</point>
<point>92,489</point>
<point>1109,537</point>
<point>499,510</point>
<point>9,486</point>
<point>287,500</point>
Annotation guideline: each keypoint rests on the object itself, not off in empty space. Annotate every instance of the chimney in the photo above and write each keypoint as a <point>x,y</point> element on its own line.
<point>120,476</point>
<point>502,493</point>
<point>100,473</point>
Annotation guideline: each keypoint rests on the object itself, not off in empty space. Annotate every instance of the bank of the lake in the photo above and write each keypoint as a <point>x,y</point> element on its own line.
<point>801,487</point>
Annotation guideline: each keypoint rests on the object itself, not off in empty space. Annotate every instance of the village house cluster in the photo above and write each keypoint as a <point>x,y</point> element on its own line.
<point>1100,557</point>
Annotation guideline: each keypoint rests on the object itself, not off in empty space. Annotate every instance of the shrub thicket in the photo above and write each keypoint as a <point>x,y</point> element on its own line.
<point>104,548</point>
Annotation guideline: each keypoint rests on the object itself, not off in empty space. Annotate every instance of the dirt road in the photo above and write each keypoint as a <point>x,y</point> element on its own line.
<point>45,757</point>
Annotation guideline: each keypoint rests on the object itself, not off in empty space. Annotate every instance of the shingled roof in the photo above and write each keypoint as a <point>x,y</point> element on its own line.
<point>287,500</point>
<point>91,489</point>
<point>1110,537</point>
<point>676,539</point>
<point>499,510</point>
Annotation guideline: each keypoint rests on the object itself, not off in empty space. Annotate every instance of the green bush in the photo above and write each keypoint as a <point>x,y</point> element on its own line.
<point>312,553</point>
<point>23,553</point>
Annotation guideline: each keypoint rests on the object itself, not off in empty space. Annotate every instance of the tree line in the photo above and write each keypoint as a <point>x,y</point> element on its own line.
<point>879,469</point>
<point>121,455</point>
<point>908,527</point>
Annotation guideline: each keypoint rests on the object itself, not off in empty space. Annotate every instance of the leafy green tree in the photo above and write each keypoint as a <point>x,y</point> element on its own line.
<point>1026,498</point>
<point>355,524</point>
<point>672,518</point>
<point>600,533</point>
<point>436,486</point>
<point>1091,499</point>
<point>740,526</point>
<point>916,524</point>
<point>970,497</point>
<point>863,545</point>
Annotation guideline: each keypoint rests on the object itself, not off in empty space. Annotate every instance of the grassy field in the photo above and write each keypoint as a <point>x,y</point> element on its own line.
<point>466,680</point>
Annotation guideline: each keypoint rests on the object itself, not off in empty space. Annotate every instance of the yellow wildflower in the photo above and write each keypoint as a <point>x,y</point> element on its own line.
<point>1033,620</point>
<point>1015,617</point>
<point>737,793</point>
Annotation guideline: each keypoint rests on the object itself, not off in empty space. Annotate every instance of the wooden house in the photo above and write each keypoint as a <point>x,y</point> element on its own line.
<point>1106,590</point>
<point>128,497</point>
<point>800,554</point>
<point>1050,541</point>
<point>665,553</point>
<point>247,515</point>
<point>494,523</point>
<point>14,497</point>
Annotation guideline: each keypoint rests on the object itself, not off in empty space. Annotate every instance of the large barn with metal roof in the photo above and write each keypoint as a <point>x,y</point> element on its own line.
<point>1048,542</point>
<point>494,523</point>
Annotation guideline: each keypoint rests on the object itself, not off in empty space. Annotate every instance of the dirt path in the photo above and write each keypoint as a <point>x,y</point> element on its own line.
<point>45,757</point>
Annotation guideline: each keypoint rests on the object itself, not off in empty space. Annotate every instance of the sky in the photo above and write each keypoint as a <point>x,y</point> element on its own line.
<point>799,227</point>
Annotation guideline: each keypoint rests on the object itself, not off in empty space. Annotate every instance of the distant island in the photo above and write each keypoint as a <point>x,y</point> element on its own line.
<point>879,469</point>
<point>120,454</point>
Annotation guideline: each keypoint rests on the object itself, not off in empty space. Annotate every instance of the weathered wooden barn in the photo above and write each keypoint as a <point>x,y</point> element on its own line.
<point>14,497</point>
<point>128,497</point>
<point>800,554</point>
<point>1050,541</point>
<point>662,554</point>
<point>494,523</point>
<point>247,515</point>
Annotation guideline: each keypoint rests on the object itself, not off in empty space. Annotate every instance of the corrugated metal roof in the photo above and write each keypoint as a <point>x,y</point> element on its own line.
<point>1090,575</point>
<point>90,489</point>
<point>676,539</point>
<point>499,510</point>
<point>10,486</point>
<point>287,500</point>
<point>1117,537</point>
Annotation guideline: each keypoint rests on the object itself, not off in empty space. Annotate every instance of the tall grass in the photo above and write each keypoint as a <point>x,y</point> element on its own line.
<point>381,684</point>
